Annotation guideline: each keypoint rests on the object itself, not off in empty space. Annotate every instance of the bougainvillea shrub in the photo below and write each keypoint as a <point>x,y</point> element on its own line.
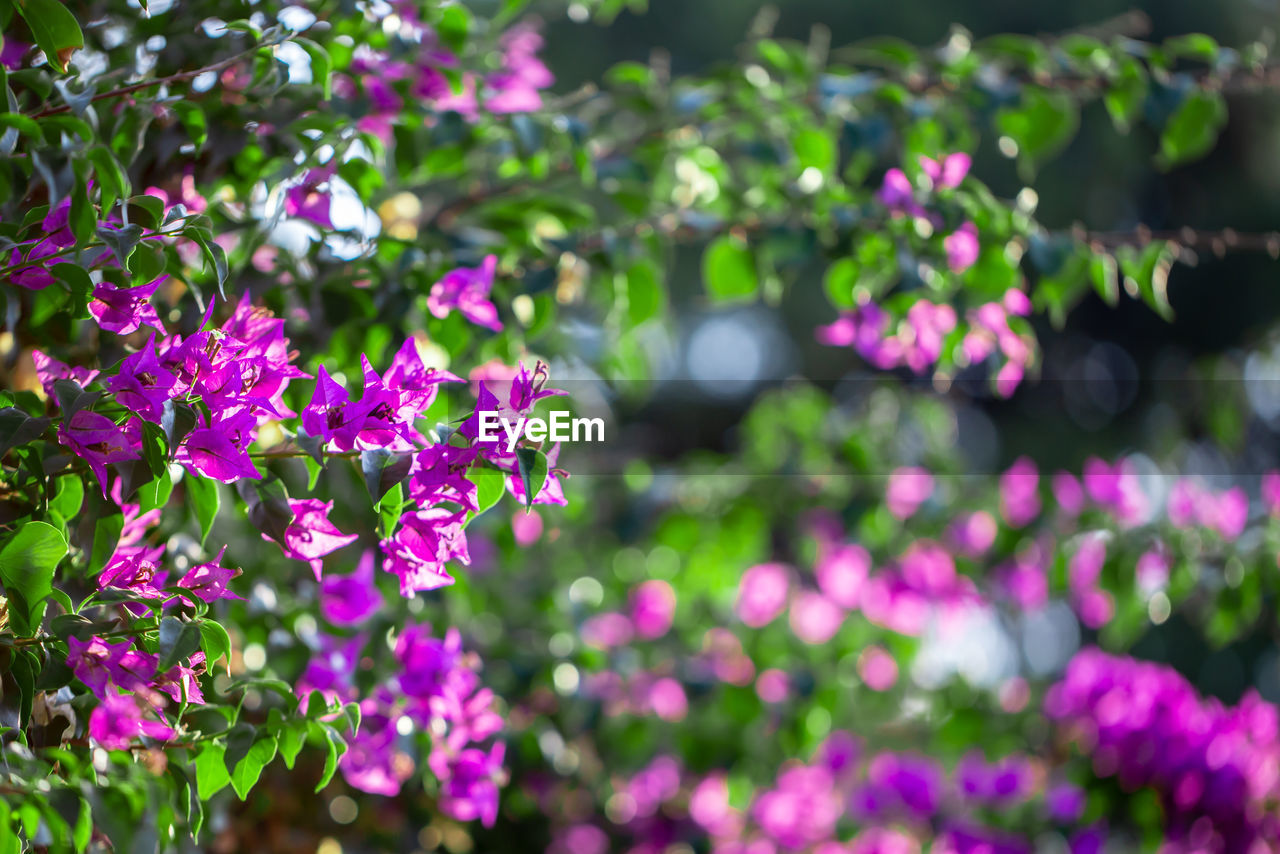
<point>271,583</point>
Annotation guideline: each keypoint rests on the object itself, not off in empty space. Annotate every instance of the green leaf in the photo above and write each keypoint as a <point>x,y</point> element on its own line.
<point>216,644</point>
<point>337,746</point>
<point>68,498</point>
<point>1192,131</point>
<point>1041,125</point>
<point>729,270</point>
<point>291,739</point>
<point>532,465</point>
<point>1126,92</point>
<point>19,428</point>
<point>383,470</point>
<point>82,217</point>
<point>24,125</point>
<point>205,498</point>
<point>106,536</point>
<point>54,29</point>
<point>192,118</point>
<point>27,564</point>
<point>177,421</point>
<point>249,768</point>
<point>645,296</point>
<point>1146,274</point>
<point>211,769</point>
<point>214,254</point>
<point>113,181</point>
<point>815,149</point>
<point>178,639</point>
<point>122,240</point>
<point>24,669</point>
<point>490,484</point>
<point>321,65</point>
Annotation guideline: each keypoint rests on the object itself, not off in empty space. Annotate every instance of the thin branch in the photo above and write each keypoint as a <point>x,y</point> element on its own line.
<point>157,81</point>
<point>1217,241</point>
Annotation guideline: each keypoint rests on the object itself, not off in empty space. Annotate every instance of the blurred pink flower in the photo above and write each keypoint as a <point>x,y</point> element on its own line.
<point>841,572</point>
<point>653,607</point>
<point>667,699</point>
<point>877,668</point>
<point>762,593</point>
<point>974,533</point>
<point>526,526</point>
<point>962,247</point>
<point>608,630</point>
<point>908,488</point>
<point>814,618</point>
<point>1020,492</point>
<point>773,686</point>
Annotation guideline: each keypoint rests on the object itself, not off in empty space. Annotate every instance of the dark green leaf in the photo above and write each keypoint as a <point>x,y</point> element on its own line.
<point>205,499</point>
<point>54,29</point>
<point>178,639</point>
<point>383,470</point>
<point>532,465</point>
<point>27,564</point>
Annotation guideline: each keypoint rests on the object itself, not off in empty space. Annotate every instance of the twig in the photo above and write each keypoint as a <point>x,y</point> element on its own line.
<point>157,81</point>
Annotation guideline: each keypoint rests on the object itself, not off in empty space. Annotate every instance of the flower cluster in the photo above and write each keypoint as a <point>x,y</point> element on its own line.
<point>1216,768</point>
<point>433,77</point>
<point>923,337</point>
<point>894,800</point>
<point>434,691</point>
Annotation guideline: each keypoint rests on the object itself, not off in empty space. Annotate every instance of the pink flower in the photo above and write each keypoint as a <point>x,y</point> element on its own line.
<point>1017,302</point>
<point>605,631</point>
<point>897,194</point>
<point>802,810</point>
<point>709,806</point>
<point>1152,571</point>
<point>877,668</point>
<point>1025,583</point>
<point>311,536</point>
<point>1068,493</point>
<point>773,686</point>
<point>962,247</point>
<point>467,289</point>
<point>908,488</point>
<point>1008,378</point>
<point>310,198</point>
<point>349,600</point>
<point>125,310</point>
<point>841,572</point>
<point>1019,492</point>
<point>49,370</point>
<point>1231,513</point>
<point>526,527</point>
<point>98,441</point>
<point>974,533</point>
<point>927,567</point>
<point>667,699</point>
<point>120,719</point>
<point>762,593</point>
<point>814,618</point>
<point>213,454</point>
<point>1271,493</point>
<point>208,581</point>
<point>950,172</point>
<point>469,783</point>
<point>653,607</point>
